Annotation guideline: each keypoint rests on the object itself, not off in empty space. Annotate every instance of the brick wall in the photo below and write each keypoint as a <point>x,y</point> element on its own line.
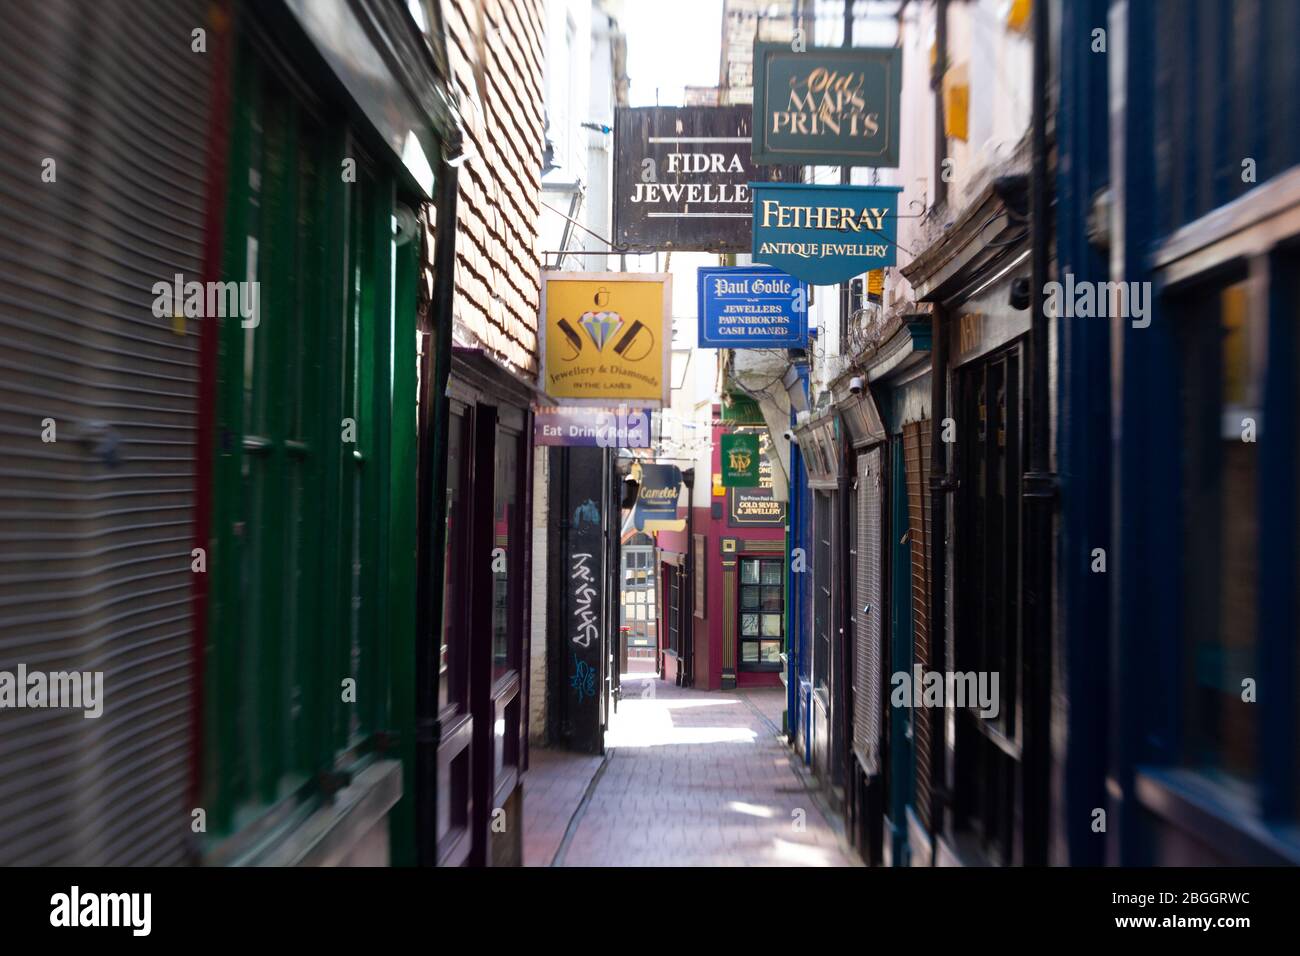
<point>537,686</point>
<point>494,49</point>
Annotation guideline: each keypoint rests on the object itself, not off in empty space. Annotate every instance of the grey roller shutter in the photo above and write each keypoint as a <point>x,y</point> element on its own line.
<point>96,527</point>
<point>867,703</point>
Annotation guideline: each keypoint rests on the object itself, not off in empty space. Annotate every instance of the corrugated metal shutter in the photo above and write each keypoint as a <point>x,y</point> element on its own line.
<point>867,704</point>
<point>916,465</point>
<point>96,528</point>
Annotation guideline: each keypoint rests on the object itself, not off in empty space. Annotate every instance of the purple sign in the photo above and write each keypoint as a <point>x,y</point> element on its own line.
<point>581,426</point>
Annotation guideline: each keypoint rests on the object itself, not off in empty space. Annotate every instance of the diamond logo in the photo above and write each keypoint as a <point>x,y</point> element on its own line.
<point>601,326</point>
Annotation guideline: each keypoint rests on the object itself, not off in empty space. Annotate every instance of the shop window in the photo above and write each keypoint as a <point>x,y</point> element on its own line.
<point>762,613</point>
<point>1234,726</point>
<point>822,607</point>
<point>507,553</point>
<point>1220,398</point>
<point>988,746</point>
<point>302,467</point>
<point>672,613</point>
<point>454,654</point>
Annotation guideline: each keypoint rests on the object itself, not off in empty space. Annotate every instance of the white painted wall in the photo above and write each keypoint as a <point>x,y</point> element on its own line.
<point>568,91</point>
<point>998,62</point>
<point>579,87</point>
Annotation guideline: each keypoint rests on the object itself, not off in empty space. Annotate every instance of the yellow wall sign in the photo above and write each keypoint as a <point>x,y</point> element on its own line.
<point>606,337</point>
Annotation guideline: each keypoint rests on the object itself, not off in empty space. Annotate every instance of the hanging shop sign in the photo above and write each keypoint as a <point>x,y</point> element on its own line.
<point>757,506</point>
<point>656,502</point>
<point>826,106</point>
<point>755,509</point>
<point>740,460</point>
<point>825,234</point>
<point>606,338</point>
<point>592,427</point>
<point>682,175</point>
<point>753,307</point>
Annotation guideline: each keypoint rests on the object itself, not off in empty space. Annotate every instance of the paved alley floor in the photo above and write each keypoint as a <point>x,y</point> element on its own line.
<point>553,789</point>
<point>692,778</point>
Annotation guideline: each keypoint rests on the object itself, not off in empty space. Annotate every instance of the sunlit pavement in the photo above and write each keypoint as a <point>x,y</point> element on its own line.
<point>698,778</point>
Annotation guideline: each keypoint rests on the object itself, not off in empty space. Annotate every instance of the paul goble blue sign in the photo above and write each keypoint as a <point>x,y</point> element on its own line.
<point>753,307</point>
<point>825,234</point>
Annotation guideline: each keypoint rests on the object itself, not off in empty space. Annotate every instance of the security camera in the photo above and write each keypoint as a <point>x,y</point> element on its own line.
<point>407,224</point>
<point>855,385</point>
<point>1019,297</point>
<point>788,435</point>
<point>1013,190</point>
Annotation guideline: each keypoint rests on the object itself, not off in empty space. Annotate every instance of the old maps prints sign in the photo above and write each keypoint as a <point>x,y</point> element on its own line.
<point>826,106</point>
<point>606,338</point>
<point>825,234</point>
<point>681,178</point>
<point>753,307</point>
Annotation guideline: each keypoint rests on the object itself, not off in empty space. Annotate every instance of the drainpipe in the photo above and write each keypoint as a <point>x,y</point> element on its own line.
<point>846,177</point>
<point>687,660</point>
<point>433,524</point>
<point>936,84</point>
<point>942,483</point>
<point>1040,484</point>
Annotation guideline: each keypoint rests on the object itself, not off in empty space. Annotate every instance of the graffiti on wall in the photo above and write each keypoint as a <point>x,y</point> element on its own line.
<point>583,680</point>
<point>584,596</point>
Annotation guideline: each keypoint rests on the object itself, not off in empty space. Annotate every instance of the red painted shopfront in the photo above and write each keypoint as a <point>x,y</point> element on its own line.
<point>721,582</point>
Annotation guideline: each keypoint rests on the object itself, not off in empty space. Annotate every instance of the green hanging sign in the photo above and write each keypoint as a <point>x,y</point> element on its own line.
<point>826,106</point>
<point>740,460</point>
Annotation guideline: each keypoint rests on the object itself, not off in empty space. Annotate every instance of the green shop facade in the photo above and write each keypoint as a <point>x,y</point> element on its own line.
<point>311,678</point>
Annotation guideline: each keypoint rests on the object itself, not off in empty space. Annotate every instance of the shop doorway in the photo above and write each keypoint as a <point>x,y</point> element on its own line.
<point>484,626</point>
<point>638,606</point>
<point>991,772</point>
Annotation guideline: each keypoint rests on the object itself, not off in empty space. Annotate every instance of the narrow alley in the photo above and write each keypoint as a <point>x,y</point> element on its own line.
<point>690,778</point>
<point>463,435</point>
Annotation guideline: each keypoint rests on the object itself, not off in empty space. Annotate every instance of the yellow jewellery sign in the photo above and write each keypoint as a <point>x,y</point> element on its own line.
<point>606,337</point>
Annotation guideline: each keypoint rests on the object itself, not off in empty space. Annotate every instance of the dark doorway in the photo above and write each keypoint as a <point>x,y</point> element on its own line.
<point>484,627</point>
<point>991,771</point>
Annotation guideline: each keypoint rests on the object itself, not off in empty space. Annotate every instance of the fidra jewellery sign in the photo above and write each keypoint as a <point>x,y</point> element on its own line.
<point>682,175</point>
